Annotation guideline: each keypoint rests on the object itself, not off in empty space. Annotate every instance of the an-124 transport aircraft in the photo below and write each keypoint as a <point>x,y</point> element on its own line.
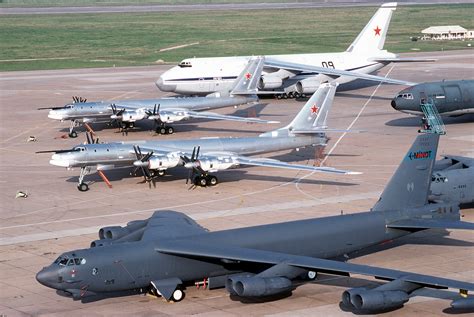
<point>206,155</point>
<point>294,74</point>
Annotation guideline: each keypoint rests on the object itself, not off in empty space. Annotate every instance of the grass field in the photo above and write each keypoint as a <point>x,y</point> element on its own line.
<point>30,42</point>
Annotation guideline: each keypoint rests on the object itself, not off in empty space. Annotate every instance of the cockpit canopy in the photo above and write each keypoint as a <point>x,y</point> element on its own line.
<point>65,260</point>
<point>405,96</point>
<point>185,64</point>
<point>437,178</point>
<point>79,148</point>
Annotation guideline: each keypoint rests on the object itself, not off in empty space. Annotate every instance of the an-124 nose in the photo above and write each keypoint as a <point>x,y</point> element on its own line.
<point>164,87</point>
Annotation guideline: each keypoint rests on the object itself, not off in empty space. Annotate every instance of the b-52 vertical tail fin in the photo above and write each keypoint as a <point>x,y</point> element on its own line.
<point>409,186</point>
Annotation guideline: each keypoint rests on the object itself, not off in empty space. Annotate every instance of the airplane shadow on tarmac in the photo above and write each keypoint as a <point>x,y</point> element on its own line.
<point>415,121</point>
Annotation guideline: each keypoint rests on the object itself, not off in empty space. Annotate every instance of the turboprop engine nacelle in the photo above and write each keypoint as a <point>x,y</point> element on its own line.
<point>214,165</point>
<point>162,162</point>
<point>173,116</point>
<point>270,82</point>
<point>307,86</point>
<point>364,299</point>
<point>132,115</point>
<point>257,286</point>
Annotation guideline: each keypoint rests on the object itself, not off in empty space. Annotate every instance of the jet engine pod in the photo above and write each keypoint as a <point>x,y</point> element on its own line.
<point>257,286</point>
<point>100,243</point>
<point>307,86</point>
<point>270,82</point>
<point>113,232</point>
<point>374,300</point>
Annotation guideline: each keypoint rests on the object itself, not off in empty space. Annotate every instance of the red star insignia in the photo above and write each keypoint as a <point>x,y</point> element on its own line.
<point>248,76</point>
<point>314,109</point>
<point>377,30</point>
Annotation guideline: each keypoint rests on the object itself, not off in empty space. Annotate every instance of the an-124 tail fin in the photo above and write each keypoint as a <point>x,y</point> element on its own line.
<point>372,37</point>
<point>409,186</point>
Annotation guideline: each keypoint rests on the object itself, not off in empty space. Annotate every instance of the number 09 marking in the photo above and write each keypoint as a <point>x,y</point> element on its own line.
<point>328,64</point>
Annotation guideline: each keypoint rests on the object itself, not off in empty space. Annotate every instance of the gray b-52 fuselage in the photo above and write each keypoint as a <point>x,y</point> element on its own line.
<point>451,97</point>
<point>170,250</point>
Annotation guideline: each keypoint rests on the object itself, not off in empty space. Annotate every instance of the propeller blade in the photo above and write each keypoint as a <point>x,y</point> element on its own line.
<point>88,137</point>
<point>192,155</point>
<point>197,153</point>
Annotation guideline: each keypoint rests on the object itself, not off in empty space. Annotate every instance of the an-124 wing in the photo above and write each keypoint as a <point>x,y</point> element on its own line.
<point>224,252</point>
<point>332,72</point>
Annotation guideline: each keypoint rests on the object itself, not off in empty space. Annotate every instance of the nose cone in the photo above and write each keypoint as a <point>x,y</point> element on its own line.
<point>59,160</point>
<point>56,115</point>
<point>163,86</point>
<point>394,104</point>
<point>48,277</point>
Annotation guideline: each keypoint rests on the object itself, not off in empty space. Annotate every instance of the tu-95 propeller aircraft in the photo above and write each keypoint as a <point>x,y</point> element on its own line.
<point>207,155</point>
<point>164,111</point>
<point>170,251</point>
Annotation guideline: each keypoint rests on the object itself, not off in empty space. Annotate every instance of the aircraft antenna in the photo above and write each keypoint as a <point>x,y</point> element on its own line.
<point>432,122</point>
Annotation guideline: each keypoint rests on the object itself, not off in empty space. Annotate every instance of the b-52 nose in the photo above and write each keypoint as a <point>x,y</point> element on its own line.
<point>48,277</point>
<point>394,104</point>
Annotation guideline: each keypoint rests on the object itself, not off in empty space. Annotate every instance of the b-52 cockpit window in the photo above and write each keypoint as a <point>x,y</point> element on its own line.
<point>185,64</point>
<point>63,261</point>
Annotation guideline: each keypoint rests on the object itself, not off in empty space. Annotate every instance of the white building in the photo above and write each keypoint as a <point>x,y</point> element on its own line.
<point>447,32</point>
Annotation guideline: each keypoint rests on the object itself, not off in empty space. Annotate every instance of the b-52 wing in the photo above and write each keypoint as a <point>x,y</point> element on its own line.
<point>190,248</point>
<point>332,72</point>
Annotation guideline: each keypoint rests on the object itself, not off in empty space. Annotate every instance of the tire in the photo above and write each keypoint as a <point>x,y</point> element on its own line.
<point>311,275</point>
<point>170,130</point>
<point>161,173</point>
<point>83,187</point>
<point>73,134</point>
<point>212,180</point>
<point>131,125</point>
<point>177,296</point>
<point>202,182</point>
<point>162,131</point>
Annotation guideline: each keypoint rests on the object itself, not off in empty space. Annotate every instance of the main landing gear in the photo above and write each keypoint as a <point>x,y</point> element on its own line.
<point>164,129</point>
<point>204,180</point>
<point>290,95</point>
<point>81,186</point>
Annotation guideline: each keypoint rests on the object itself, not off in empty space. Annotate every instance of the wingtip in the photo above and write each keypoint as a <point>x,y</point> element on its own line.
<point>354,173</point>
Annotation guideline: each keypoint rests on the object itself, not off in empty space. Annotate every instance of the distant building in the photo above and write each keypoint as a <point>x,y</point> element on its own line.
<point>447,32</point>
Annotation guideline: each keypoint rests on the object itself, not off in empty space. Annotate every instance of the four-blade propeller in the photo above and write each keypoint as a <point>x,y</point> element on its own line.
<point>193,164</point>
<point>142,163</point>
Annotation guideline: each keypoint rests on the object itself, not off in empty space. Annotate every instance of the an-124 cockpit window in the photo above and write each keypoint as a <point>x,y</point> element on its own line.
<point>185,64</point>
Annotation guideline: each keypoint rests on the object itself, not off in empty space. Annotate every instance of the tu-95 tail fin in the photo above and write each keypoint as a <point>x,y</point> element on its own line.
<point>246,83</point>
<point>409,186</point>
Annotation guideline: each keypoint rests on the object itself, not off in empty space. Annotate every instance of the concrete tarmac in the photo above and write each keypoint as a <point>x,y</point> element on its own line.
<point>56,217</point>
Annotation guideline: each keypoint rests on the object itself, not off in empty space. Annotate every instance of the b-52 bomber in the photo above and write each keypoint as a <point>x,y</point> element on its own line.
<point>164,111</point>
<point>207,155</point>
<point>170,251</point>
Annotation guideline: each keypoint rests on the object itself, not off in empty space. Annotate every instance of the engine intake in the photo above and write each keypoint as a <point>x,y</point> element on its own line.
<point>257,286</point>
<point>363,299</point>
<point>307,86</point>
<point>270,82</point>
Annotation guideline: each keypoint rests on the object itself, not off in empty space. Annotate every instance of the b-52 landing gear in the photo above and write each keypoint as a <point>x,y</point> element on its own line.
<point>81,186</point>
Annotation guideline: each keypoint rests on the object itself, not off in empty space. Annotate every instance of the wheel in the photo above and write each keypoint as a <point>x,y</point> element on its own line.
<point>290,95</point>
<point>285,96</point>
<point>73,134</point>
<point>83,187</point>
<point>131,124</point>
<point>278,96</point>
<point>177,296</point>
<point>161,173</point>
<point>211,180</point>
<point>162,131</point>
<point>124,125</point>
<point>202,181</point>
<point>170,130</point>
<point>311,275</point>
